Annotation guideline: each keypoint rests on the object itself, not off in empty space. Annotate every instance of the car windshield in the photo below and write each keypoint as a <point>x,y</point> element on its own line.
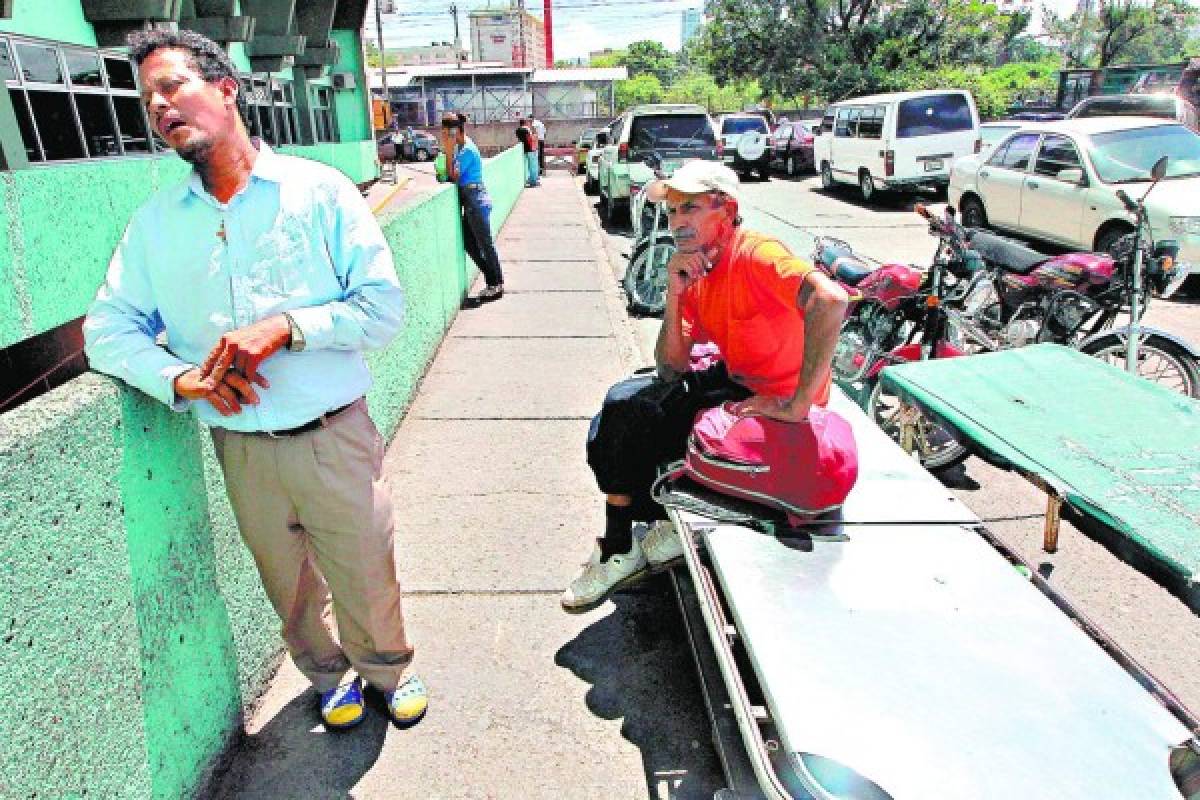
<point>743,124</point>
<point>938,113</point>
<point>1127,156</point>
<point>1147,105</point>
<point>671,132</point>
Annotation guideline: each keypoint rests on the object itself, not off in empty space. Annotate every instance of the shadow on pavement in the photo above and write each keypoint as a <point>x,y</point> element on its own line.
<point>294,757</point>
<point>641,671</point>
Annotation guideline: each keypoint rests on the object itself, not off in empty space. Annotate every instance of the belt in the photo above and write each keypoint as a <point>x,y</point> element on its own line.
<point>473,186</point>
<point>311,425</point>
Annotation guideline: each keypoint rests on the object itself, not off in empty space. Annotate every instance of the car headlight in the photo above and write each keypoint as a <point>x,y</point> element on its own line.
<point>1181,225</point>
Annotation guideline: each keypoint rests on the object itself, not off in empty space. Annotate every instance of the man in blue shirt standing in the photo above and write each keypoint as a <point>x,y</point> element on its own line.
<point>268,276</point>
<point>464,166</point>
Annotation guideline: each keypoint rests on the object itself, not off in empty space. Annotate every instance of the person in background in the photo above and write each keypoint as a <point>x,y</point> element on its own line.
<point>269,277</point>
<point>464,166</point>
<point>528,140</point>
<point>539,130</point>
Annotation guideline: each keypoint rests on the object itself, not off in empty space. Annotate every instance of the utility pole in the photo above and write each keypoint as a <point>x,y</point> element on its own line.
<point>457,40</point>
<point>387,97</point>
<point>521,29</point>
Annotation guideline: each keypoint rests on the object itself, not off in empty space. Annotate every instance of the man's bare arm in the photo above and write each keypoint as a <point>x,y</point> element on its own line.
<point>672,352</point>
<point>824,305</point>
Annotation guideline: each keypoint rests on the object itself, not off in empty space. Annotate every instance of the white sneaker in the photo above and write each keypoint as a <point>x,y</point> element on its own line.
<point>600,579</point>
<point>662,545</point>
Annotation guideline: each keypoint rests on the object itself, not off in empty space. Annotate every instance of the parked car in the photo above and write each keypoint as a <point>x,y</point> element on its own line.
<point>1162,106</point>
<point>1059,182</point>
<point>746,143</point>
<point>900,141</point>
<point>675,132</point>
<point>591,183</point>
<point>992,133</point>
<point>400,146</point>
<point>792,148</point>
<point>583,144</point>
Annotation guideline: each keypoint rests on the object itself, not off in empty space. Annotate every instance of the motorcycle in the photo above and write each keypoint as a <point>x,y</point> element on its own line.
<point>645,281</point>
<point>1075,300</point>
<point>897,314</point>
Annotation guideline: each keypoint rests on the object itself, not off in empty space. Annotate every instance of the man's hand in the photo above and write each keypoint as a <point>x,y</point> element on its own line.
<point>241,351</point>
<point>226,396</point>
<point>684,269</point>
<point>779,408</point>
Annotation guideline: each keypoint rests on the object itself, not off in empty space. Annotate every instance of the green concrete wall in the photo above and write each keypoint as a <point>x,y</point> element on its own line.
<point>48,277</point>
<point>350,105</point>
<point>133,630</point>
<point>57,20</point>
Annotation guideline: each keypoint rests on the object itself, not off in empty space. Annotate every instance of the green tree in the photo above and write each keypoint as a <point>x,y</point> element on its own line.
<point>1125,31</point>
<point>648,57</point>
<point>645,88</point>
<point>850,46</point>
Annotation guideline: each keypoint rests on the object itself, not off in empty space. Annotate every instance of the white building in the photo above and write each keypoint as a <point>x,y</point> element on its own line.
<point>436,53</point>
<point>509,35</point>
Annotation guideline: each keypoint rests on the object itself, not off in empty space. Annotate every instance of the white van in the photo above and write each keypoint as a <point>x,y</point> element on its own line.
<point>902,141</point>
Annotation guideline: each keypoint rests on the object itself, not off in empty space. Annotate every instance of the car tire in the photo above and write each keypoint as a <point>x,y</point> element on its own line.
<point>972,213</point>
<point>866,186</point>
<point>422,155</point>
<point>1109,237</point>
<point>826,176</point>
<point>764,172</point>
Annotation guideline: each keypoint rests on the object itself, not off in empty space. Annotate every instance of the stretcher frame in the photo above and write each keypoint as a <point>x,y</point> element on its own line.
<point>745,733</point>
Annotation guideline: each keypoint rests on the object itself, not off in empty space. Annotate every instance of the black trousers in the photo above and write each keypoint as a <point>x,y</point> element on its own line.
<point>477,233</point>
<point>645,422</point>
<point>541,156</point>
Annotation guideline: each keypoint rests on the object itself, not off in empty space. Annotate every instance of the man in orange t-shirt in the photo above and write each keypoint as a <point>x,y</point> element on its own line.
<point>775,319</point>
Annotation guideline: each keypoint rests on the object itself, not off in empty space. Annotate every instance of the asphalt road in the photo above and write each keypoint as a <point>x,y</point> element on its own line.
<point>1144,619</point>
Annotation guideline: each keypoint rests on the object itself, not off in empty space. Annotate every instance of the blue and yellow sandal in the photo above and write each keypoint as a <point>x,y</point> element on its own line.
<point>342,707</point>
<point>408,702</point>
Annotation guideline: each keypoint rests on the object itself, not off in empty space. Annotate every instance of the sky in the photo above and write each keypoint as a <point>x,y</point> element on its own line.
<point>580,26</point>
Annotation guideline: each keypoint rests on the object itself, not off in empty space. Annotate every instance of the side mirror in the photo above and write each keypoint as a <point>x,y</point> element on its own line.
<point>1159,170</point>
<point>652,161</point>
<point>1073,175</point>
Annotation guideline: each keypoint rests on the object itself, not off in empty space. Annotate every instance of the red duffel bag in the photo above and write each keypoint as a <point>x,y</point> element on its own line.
<point>804,469</point>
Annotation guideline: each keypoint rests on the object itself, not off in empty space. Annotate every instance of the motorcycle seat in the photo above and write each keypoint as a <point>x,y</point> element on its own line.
<point>1009,255</point>
<point>850,270</point>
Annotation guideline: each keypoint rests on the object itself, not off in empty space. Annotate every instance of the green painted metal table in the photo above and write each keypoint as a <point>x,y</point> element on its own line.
<point>1115,447</point>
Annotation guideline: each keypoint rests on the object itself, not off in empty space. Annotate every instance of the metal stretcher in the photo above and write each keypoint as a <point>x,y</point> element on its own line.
<point>899,652</point>
<point>1113,446</point>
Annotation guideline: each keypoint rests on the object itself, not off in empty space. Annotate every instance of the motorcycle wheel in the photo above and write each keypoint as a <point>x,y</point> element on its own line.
<point>1159,360</point>
<point>937,448</point>
<point>645,281</point>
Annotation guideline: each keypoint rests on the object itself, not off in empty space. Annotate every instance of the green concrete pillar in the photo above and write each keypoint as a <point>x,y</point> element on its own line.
<point>304,114</point>
<point>12,146</point>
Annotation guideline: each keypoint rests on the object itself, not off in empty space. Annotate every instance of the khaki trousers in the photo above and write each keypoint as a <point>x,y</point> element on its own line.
<point>315,512</point>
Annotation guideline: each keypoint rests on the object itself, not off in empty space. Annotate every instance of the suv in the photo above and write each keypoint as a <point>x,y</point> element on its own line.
<point>675,132</point>
<point>1162,106</point>
<point>746,141</point>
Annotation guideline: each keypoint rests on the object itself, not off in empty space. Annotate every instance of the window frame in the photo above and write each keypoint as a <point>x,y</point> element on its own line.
<point>1001,150</point>
<point>19,89</point>
<point>1047,137</point>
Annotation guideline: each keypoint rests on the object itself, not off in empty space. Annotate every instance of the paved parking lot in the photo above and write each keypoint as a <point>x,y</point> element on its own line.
<point>1150,623</point>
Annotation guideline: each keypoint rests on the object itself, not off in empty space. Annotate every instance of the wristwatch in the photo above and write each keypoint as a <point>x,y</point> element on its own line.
<point>296,341</point>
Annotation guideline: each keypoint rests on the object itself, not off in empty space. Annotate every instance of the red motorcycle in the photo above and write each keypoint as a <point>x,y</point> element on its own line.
<point>897,315</point>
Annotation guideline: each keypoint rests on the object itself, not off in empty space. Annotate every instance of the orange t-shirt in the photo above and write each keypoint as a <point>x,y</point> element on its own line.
<point>747,306</point>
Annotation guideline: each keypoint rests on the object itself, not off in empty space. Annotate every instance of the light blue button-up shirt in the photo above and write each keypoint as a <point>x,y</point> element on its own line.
<point>298,238</point>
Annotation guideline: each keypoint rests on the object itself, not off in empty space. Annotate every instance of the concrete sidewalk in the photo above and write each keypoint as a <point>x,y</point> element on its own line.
<point>496,507</point>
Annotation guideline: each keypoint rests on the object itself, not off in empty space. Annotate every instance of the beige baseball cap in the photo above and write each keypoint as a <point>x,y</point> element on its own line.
<point>699,176</point>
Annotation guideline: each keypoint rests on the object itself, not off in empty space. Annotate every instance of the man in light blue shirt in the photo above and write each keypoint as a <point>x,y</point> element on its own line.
<point>268,276</point>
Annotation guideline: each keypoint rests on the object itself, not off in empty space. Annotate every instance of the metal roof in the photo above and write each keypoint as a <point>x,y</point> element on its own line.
<point>579,75</point>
